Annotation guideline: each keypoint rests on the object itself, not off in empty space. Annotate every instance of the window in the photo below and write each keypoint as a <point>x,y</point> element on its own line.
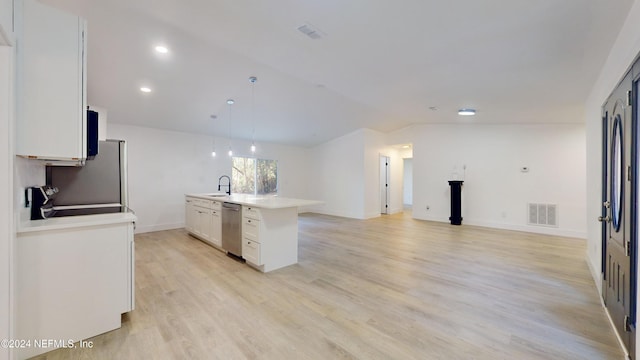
<point>254,176</point>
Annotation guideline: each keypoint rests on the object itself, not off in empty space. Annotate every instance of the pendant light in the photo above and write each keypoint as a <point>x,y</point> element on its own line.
<point>253,80</point>
<point>230,102</point>
<point>213,139</point>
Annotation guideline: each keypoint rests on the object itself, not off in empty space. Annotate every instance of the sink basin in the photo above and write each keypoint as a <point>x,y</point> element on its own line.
<point>220,194</point>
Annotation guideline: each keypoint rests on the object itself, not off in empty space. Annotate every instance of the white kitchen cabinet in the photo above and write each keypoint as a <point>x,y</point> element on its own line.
<point>190,215</point>
<point>73,282</point>
<point>203,220</point>
<point>269,237</point>
<point>251,251</point>
<point>203,223</point>
<point>51,83</point>
<point>216,227</point>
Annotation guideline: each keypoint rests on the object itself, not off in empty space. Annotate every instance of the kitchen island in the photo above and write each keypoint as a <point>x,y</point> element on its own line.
<point>269,226</point>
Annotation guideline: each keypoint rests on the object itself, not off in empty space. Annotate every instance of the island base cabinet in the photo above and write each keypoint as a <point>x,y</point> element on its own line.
<point>72,284</point>
<point>251,251</point>
<point>270,237</point>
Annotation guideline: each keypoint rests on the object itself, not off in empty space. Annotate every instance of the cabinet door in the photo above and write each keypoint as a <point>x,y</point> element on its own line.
<point>204,223</point>
<point>51,97</point>
<point>190,216</point>
<point>216,228</point>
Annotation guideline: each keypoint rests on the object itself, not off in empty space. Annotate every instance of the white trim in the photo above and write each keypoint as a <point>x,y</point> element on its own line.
<point>613,327</point>
<point>159,227</point>
<point>515,227</point>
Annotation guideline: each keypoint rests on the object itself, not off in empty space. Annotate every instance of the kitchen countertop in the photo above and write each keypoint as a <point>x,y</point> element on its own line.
<point>69,222</point>
<point>265,202</point>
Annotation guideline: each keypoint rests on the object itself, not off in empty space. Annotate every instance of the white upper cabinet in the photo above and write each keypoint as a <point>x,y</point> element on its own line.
<point>51,88</point>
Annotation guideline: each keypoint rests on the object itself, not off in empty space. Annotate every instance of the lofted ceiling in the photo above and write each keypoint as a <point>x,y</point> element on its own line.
<point>380,64</point>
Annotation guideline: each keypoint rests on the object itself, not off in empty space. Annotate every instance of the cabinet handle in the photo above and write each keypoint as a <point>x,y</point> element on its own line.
<point>249,220</point>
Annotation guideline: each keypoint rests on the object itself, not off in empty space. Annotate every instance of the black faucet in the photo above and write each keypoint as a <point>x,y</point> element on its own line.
<point>228,183</point>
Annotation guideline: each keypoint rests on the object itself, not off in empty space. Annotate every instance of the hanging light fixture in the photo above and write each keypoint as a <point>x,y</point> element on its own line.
<point>230,102</point>
<point>253,80</point>
<point>213,139</point>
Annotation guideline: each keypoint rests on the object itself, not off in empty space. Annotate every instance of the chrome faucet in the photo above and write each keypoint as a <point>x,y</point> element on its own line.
<point>228,183</point>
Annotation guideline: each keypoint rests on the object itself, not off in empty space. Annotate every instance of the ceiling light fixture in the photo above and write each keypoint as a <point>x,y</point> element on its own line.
<point>145,89</point>
<point>213,137</point>
<point>253,80</point>
<point>161,49</point>
<point>230,102</point>
<point>467,112</point>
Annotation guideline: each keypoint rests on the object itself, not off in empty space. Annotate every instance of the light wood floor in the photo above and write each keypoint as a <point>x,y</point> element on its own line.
<point>387,288</point>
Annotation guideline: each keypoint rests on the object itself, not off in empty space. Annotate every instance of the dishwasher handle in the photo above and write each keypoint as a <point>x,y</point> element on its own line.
<point>231,206</point>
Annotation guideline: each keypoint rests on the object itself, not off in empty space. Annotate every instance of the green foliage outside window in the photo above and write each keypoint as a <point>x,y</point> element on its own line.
<point>254,176</point>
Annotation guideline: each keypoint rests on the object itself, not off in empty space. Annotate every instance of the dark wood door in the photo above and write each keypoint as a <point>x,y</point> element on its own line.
<point>617,208</point>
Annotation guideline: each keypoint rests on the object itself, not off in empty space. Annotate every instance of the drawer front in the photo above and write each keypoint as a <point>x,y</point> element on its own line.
<point>251,251</point>
<point>251,229</point>
<point>216,205</point>
<point>251,212</point>
<point>207,203</point>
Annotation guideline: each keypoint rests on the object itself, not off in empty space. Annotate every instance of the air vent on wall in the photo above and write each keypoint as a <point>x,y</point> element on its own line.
<point>543,214</point>
<point>311,31</point>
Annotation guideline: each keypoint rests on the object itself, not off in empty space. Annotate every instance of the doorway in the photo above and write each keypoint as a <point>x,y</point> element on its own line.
<point>384,184</point>
<point>619,233</point>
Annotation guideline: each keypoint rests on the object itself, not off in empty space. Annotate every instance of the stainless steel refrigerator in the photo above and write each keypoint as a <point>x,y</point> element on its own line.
<point>100,186</point>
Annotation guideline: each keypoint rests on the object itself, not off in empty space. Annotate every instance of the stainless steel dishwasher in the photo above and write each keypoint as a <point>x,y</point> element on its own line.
<point>232,228</point>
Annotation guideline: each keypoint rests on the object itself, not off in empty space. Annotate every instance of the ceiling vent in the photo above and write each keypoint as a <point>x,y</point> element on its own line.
<point>311,31</point>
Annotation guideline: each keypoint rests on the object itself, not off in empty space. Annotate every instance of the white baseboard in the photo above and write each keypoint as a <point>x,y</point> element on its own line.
<point>516,227</point>
<point>150,228</point>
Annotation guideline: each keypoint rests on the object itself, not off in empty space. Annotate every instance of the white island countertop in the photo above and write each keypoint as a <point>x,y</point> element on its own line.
<point>259,201</point>
<point>68,222</point>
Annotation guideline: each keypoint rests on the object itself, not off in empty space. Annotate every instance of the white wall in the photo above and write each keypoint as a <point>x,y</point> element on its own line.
<point>7,230</point>
<point>6,16</point>
<point>495,192</point>
<point>165,165</point>
<point>374,142</point>
<point>336,176</point>
<point>407,189</point>
<point>621,57</point>
<point>346,175</point>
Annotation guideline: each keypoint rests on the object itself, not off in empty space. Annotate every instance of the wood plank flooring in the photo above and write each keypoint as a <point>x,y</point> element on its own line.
<point>386,288</point>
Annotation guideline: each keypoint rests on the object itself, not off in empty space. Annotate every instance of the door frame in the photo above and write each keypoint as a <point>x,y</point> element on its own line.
<point>385,177</point>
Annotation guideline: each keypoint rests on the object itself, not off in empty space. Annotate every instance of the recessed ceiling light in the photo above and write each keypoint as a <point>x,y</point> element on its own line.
<point>230,102</point>
<point>467,112</point>
<point>145,89</point>
<point>162,49</point>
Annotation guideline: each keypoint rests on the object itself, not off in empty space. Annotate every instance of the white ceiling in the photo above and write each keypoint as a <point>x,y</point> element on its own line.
<point>380,65</point>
